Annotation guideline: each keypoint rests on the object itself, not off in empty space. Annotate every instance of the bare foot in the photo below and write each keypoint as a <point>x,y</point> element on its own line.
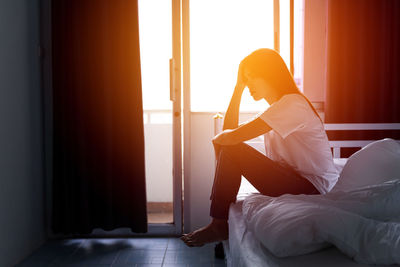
<point>216,231</point>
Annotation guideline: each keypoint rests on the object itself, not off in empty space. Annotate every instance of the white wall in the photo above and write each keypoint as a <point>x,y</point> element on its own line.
<point>202,167</point>
<point>21,180</point>
<point>158,152</point>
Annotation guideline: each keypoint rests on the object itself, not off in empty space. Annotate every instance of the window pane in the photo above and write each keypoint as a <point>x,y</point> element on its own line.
<point>155,30</point>
<point>155,51</point>
<point>298,42</point>
<point>222,33</point>
<point>284,28</point>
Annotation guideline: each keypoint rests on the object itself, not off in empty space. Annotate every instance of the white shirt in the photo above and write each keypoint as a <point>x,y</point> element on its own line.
<point>298,139</point>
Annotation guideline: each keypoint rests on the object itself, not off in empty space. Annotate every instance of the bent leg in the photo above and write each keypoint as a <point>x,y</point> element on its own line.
<point>266,175</point>
<point>269,177</point>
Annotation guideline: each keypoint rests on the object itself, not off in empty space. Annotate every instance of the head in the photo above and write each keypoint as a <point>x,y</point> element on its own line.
<point>266,75</point>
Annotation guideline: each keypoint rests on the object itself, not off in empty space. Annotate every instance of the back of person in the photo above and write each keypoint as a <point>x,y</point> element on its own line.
<point>298,139</point>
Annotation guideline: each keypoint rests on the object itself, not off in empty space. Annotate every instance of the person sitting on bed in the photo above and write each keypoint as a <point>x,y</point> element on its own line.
<point>299,159</point>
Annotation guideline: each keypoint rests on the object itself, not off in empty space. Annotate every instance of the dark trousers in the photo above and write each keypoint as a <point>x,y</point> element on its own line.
<point>267,176</point>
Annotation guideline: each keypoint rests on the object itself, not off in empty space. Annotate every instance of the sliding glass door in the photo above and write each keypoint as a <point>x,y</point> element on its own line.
<point>212,36</point>
<point>159,30</point>
<point>216,36</point>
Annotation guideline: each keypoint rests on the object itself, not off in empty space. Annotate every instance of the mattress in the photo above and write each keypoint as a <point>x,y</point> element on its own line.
<point>243,249</point>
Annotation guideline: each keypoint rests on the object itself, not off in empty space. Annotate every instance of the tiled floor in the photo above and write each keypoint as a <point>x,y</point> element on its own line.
<point>122,252</point>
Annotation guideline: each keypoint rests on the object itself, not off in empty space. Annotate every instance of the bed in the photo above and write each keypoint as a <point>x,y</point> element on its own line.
<point>244,248</point>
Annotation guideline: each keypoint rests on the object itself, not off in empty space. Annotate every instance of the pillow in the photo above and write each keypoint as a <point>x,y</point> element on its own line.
<point>375,163</point>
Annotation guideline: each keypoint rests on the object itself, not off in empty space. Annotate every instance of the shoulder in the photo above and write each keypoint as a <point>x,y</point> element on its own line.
<point>293,98</point>
<point>290,101</point>
<point>287,115</point>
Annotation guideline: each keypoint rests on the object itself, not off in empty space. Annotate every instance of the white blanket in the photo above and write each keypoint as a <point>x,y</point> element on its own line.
<point>362,223</point>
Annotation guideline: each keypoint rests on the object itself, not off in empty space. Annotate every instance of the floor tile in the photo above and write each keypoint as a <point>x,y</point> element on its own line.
<point>97,252</point>
<point>148,243</point>
<point>177,244</point>
<point>122,252</point>
<point>138,265</point>
<point>196,255</point>
<point>130,256</point>
<point>52,251</point>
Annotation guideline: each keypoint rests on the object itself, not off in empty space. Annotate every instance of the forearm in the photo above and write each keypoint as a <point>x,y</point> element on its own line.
<point>246,131</point>
<point>249,130</point>
<point>231,119</point>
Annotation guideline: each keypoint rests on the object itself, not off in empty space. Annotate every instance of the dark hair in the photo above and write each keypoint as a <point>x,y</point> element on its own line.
<point>268,65</point>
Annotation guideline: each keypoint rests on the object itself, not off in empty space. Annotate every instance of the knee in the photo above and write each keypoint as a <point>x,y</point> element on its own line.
<point>232,148</point>
<point>231,153</point>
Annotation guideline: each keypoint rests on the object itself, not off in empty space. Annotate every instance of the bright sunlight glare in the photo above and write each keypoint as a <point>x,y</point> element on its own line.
<point>222,33</point>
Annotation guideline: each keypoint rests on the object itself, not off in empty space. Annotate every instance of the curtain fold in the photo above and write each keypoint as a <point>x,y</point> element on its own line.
<point>363,66</point>
<point>363,81</point>
<point>99,171</point>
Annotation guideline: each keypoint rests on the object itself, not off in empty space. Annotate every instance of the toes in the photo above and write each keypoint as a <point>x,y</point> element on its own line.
<point>194,244</point>
<point>191,241</point>
<point>190,234</point>
<point>186,237</point>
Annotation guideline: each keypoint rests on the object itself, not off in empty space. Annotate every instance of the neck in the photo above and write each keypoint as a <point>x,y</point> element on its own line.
<point>273,97</point>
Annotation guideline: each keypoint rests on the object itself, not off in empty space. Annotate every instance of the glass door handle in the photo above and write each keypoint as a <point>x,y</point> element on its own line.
<point>171,80</point>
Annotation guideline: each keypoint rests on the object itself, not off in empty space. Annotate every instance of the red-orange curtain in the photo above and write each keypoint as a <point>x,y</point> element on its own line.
<point>363,81</point>
<point>99,172</point>
<point>363,67</point>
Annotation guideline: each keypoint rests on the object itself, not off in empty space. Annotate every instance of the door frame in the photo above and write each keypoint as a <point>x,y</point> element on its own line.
<point>174,228</point>
<point>177,116</point>
<point>186,114</point>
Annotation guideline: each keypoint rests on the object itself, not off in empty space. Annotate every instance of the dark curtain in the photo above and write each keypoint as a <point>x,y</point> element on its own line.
<point>99,172</point>
<point>363,67</point>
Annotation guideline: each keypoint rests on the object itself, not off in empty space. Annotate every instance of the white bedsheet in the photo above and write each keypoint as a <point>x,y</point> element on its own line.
<point>361,223</point>
<point>244,250</point>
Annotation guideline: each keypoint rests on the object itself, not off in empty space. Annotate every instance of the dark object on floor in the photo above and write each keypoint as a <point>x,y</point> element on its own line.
<point>219,251</point>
